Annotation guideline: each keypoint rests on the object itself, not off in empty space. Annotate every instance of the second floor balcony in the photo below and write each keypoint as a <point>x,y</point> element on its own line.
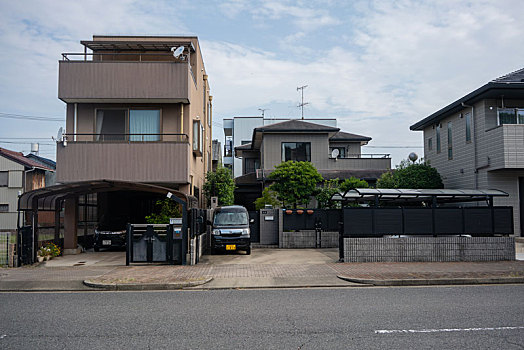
<point>360,162</point>
<point>150,158</point>
<point>505,147</point>
<point>82,80</point>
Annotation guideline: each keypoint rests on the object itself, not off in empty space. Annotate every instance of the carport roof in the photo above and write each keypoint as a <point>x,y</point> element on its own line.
<point>47,197</point>
<point>417,195</point>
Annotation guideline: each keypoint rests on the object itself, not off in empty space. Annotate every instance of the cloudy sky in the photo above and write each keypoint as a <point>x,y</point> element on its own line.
<point>376,66</point>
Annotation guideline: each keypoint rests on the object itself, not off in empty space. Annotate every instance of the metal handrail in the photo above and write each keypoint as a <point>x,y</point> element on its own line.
<point>65,55</point>
<point>100,137</point>
<point>364,156</point>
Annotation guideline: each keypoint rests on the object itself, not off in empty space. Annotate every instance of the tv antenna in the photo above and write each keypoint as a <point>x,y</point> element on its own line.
<point>263,110</point>
<point>177,51</point>
<point>301,105</point>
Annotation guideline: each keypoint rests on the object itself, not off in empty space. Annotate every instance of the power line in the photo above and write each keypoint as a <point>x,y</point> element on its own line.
<point>30,117</point>
<point>28,143</point>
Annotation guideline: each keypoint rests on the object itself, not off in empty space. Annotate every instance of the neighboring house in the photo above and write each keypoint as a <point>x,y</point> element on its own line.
<point>137,113</point>
<point>238,132</point>
<point>477,142</point>
<point>50,176</point>
<point>216,158</point>
<point>334,153</point>
<point>18,174</point>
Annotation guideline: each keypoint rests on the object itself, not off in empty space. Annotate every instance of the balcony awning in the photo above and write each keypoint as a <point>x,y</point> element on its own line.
<point>47,197</point>
<point>110,45</point>
<point>417,195</point>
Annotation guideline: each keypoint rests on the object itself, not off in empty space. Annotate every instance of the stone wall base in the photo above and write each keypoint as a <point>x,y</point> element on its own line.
<point>429,249</point>
<point>307,239</point>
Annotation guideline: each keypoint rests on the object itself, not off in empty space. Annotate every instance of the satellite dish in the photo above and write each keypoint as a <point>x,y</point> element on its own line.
<point>335,153</point>
<point>60,134</point>
<point>177,51</point>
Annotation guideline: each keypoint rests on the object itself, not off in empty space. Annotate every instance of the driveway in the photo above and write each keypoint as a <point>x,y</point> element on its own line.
<point>274,256</point>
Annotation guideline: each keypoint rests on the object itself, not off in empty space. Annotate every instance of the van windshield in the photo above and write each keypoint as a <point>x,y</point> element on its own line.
<point>224,218</point>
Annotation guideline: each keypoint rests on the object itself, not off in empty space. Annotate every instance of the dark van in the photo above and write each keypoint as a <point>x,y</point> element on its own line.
<point>231,229</point>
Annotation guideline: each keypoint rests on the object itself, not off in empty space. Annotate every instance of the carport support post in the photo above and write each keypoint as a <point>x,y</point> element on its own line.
<point>35,230</point>
<point>70,225</point>
<point>58,208</point>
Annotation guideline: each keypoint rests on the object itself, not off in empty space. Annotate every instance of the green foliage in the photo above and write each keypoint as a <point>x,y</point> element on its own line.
<point>268,197</point>
<point>326,192</point>
<point>352,183</point>
<point>220,184</point>
<point>387,180</point>
<point>295,182</point>
<point>411,175</point>
<point>164,210</point>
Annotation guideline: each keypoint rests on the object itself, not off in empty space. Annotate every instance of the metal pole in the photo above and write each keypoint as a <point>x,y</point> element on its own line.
<point>302,104</point>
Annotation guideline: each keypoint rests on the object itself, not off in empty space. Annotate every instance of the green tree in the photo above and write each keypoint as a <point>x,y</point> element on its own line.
<point>220,184</point>
<point>268,197</point>
<point>295,182</point>
<point>352,183</point>
<point>164,210</point>
<point>411,175</point>
<point>327,191</point>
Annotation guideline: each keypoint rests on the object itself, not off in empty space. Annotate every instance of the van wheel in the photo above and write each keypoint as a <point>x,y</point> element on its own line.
<point>248,251</point>
<point>96,249</point>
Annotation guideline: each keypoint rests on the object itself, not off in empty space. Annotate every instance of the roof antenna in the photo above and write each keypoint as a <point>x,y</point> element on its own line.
<point>302,104</point>
<point>263,110</point>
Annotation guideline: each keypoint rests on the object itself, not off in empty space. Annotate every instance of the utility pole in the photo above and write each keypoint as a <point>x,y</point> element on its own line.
<point>263,110</point>
<point>301,105</point>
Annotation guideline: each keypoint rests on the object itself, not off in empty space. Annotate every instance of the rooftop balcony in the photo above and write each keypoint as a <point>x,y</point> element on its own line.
<point>124,78</point>
<point>124,157</point>
<point>505,147</point>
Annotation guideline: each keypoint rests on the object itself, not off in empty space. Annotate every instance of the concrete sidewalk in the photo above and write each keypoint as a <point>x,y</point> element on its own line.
<point>265,268</point>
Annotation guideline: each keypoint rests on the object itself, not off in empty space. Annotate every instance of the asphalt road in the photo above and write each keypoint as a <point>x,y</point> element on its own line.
<point>465,317</point>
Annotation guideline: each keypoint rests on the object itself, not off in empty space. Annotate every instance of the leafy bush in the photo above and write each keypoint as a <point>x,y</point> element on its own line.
<point>411,175</point>
<point>295,182</point>
<point>268,197</point>
<point>220,184</point>
<point>165,209</point>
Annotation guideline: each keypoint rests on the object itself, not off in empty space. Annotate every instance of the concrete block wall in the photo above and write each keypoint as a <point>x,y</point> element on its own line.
<point>429,249</point>
<point>307,239</point>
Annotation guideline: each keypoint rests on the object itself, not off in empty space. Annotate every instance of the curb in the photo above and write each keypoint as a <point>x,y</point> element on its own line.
<point>146,286</point>
<point>434,281</point>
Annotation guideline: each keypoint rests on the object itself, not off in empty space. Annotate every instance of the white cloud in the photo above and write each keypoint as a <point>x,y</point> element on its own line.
<point>382,65</point>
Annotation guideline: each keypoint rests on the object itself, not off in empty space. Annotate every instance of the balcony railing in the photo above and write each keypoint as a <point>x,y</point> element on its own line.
<point>363,156</point>
<point>164,161</point>
<point>127,57</point>
<point>126,138</point>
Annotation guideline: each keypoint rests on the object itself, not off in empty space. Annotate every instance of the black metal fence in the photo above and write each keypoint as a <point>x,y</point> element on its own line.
<point>474,221</point>
<point>309,219</point>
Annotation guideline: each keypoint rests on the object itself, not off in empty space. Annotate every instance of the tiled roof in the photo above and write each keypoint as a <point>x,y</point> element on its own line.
<point>346,136</point>
<point>510,86</point>
<point>20,159</point>
<point>41,160</point>
<point>513,77</point>
<point>296,125</point>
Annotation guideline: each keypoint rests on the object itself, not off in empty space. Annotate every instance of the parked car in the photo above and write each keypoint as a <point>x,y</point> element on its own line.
<point>231,229</point>
<point>111,233</point>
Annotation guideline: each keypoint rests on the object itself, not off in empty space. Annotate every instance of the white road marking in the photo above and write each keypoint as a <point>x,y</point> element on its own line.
<point>407,331</point>
<point>3,336</point>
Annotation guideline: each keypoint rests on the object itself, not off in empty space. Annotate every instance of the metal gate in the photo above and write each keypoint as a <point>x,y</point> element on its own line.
<point>155,244</point>
<point>25,246</point>
<point>255,226</point>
